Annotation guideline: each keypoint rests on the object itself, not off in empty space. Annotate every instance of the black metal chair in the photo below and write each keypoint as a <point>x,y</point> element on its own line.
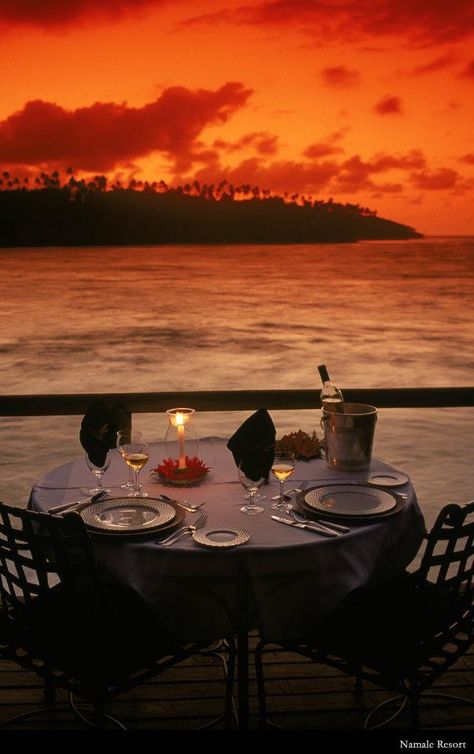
<point>402,635</point>
<point>66,621</point>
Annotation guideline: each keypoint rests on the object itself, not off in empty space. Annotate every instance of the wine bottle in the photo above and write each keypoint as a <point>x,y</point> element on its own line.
<point>331,397</point>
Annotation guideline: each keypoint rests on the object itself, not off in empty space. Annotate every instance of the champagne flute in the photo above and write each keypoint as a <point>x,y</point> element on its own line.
<point>251,485</point>
<point>135,452</point>
<point>122,437</point>
<point>282,468</point>
<point>98,472</point>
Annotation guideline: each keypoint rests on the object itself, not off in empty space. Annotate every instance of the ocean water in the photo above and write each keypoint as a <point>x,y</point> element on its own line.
<point>379,314</point>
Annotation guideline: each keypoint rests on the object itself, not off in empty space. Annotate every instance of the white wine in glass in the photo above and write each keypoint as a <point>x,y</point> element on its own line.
<point>135,453</point>
<point>122,437</point>
<point>283,467</point>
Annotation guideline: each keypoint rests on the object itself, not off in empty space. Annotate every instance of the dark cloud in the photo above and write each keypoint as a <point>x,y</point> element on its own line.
<point>389,105</point>
<point>263,142</point>
<point>53,13</point>
<point>468,71</point>
<point>319,176</point>
<point>467,158</point>
<point>321,149</point>
<point>104,135</point>
<point>437,64</point>
<point>340,77</point>
<point>424,22</point>
<point>436,180</point>
<point>356,174</point>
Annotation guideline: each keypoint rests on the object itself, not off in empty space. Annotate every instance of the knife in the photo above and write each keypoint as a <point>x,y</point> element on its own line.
<point>311,527</point>
<point>76,503</point>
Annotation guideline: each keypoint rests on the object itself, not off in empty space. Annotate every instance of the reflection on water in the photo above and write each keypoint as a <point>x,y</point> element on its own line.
<point>379,314</point>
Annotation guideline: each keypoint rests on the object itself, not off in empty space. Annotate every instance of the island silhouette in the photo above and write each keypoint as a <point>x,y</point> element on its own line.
<point>89,212</point>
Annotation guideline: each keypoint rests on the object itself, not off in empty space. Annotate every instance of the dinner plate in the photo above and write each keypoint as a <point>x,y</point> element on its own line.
<point>311,513</point>
<point>349,500</point>
<point>220,536</point>
<point>127,515</point>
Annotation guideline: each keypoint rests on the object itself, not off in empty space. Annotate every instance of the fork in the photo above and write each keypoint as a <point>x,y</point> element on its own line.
<point>198,524</point>
<point>191,507</point>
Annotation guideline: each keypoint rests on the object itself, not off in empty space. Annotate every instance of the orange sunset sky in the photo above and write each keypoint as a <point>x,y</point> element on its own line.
<point>367,101</point>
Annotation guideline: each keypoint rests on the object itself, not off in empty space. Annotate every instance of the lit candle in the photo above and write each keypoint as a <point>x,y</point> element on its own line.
<point>180,427</point>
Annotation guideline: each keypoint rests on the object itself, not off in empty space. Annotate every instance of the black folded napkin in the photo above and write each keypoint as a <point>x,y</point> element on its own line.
<point>254,444</point>
<point>99,429</point>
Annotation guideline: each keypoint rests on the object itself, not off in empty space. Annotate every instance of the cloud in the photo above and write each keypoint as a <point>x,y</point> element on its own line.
<point>424,22</point>
<point>468,71</point>
<point>388,105</point>
<point>356,174</point>
<point>318,176</point>
<point>437,64</point>
<point>340,77</point>
<point>467,158</point>
<point>103,135</point>
<point>263,142</point>
<point>54,13</point>
<point>436,180</point>
<point>321,149</point>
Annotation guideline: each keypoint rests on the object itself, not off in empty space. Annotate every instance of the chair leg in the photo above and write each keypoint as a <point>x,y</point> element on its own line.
<point>358,688</point>
<point>414,698</point>
<point>229,711</point>
<point>49,692</point>
<point>262,701</point>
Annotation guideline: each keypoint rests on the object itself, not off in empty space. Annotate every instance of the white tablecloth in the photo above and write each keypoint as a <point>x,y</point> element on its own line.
<point>284,581</point>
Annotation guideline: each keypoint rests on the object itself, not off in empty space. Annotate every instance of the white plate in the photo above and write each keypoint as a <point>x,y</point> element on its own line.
<point>387,478</point>
<point>350,500</point>
<point>128,514</point>
<point>220,536</point>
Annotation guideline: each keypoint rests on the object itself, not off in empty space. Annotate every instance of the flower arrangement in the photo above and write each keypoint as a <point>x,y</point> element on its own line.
<point>170,472</point>
<point>302,445</point>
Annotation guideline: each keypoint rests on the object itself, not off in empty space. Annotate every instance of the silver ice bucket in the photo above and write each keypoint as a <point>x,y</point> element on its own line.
<point>349,436</point>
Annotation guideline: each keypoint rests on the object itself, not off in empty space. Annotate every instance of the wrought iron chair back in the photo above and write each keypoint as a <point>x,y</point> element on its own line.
<point>39,551</point>
<point>66,621</point>
<point>405,634</point>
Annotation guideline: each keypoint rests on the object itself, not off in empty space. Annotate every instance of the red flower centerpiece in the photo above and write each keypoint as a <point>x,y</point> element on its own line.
<point>194,470</point>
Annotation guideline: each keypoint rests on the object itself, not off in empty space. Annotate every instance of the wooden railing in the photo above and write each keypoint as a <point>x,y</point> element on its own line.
<point>234,400</point>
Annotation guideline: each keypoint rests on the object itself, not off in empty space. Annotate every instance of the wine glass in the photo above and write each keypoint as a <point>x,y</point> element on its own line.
<point>251,485</point>
<point>122,437</point>
<point>134,450</point>
<point>98,472</point>
<point>282,468</point>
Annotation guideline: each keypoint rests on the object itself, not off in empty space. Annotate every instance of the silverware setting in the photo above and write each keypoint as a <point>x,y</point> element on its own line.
<point>199,523</point>
<point>182,503</point>
<point>77,503</point>
<point>310,527</point>
<point>326,524</point>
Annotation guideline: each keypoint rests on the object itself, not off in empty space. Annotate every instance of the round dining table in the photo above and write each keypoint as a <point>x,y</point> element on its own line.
<point>283,581</point>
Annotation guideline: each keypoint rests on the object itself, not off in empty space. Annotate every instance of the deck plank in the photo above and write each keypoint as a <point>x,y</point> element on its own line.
<point>301,696</point>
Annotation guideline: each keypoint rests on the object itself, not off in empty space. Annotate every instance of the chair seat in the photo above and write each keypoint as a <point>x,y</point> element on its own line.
<point>393,628</point>
<point>110,629</point>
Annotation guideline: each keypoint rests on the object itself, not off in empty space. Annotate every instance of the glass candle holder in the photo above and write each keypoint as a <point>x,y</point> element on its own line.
<point>181,439</point>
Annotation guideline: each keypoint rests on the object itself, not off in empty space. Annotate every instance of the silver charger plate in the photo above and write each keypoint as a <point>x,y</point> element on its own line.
<point>220,536</point>
<point>387,478</point>
<point>128,515</point>
<point>350,500</point>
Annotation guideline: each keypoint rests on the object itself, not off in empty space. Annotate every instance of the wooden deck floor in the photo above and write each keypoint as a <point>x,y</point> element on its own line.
<point>301,696</point>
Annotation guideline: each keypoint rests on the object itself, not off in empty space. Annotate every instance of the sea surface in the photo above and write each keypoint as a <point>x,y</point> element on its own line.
<point>379,314</point>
